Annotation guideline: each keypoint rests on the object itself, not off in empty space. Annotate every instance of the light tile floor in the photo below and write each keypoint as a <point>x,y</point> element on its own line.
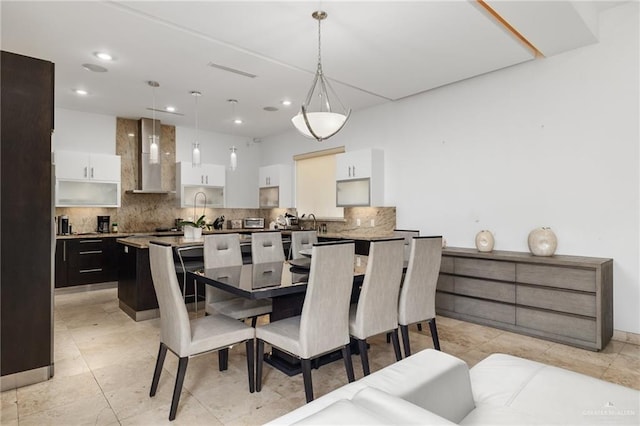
<point>104,363</point>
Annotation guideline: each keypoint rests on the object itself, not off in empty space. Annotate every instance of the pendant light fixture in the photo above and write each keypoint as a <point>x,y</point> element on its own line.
<point>233,157</point>
<point>154,139</point>
<point>195,148</point>
<point>326,120</point>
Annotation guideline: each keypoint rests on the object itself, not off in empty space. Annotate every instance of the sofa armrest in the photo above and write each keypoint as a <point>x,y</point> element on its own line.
<point>430,379</point>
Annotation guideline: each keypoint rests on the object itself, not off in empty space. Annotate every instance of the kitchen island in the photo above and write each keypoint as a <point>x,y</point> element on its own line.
<point>136,295</point>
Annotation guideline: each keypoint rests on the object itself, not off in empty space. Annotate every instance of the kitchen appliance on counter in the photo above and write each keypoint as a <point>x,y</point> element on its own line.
<point>253,222</point>
<point>104,224</point>
<point>63,225</point>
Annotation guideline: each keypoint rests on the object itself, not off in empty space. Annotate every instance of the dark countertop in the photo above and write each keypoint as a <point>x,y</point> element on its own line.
<point>158,233</point>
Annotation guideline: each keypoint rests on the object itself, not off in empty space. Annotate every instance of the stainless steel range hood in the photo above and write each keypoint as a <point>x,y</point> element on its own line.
<point>149,175</point>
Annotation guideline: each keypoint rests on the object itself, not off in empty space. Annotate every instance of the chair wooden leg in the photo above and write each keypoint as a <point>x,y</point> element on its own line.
<point>306,376</point>
<point>223,359</point>
<point>396,344</point>
<point>259,359</point>
<point>162,352</point>
<point>388,337</point>
<point>404,329</point>
<point>419,326</point>
<point>254,321</point>
<point>348,364</point>
<point>250,365</point>
<point>364,356</point>
<point>434,334</point>
<point>182,369</point>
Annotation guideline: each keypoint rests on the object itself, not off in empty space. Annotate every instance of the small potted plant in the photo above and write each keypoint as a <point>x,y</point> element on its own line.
<point>193,230</point>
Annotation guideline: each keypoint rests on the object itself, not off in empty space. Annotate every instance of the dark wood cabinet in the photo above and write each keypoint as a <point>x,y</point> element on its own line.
<point>27,218</point>
<point>86,261</point>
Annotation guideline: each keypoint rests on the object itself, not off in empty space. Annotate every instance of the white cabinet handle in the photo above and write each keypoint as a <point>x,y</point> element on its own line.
<point>85,172</point>
<point>201,179</point>
<point>92,173</point>
<point>207,179</point>
<point>349,171</point>
<point>354,171</point>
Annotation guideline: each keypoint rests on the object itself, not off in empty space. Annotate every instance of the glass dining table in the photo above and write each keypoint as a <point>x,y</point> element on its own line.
<point>285,283</point>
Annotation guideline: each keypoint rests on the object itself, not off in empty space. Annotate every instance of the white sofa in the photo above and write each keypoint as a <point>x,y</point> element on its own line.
<point>432,387</point>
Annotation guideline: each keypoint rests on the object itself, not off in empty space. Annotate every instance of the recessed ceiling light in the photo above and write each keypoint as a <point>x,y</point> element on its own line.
<point>103,55</point>
<point>94,68</point>
<point>170,109</point>
<point>270,108</point>
<point>81,92</point>
<point>286,102</point>
<point>237,121</point>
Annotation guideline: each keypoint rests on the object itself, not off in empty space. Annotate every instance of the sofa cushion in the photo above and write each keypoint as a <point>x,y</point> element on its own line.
<point>372,406</point>
<point>433,380</point>
<point>396,410</point>
<point>543,394</point>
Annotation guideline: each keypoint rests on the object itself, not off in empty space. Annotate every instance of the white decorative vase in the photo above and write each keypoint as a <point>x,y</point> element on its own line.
<point>485,241</point>
<point>542,242</point>
<point>192,232</point>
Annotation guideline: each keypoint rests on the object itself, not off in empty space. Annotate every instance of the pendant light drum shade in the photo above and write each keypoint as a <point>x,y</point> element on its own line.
<point>327,120</point>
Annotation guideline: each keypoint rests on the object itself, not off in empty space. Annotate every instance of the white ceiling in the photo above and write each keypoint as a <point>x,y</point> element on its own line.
<point>374,52</point>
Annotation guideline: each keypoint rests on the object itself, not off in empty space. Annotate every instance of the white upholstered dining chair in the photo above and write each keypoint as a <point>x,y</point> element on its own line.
<point>323,325</point>
<point>187,338</point>
<point>377,309</point>
<point>301,240</point>
<point>224,250</point>
<point>418,293</point>
<point>407,235</point>
<point>266,247</point>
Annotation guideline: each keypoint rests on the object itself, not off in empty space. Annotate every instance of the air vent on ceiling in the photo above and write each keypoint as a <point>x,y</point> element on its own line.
<point>164,110</point>
<point>233,70</point>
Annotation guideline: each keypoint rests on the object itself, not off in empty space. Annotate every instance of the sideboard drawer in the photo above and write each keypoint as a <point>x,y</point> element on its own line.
<point>502,292</point>
<point>445,283</point>
<point>557,276</point>
<point>491,269</point>
<point>445,301</point>
<point>556,300</point>
<point>446,265</point>
<point>555,323</point>
<point>486,309</point>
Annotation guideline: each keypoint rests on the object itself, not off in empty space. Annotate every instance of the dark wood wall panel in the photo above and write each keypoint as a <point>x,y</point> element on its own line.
<point>26,227</point>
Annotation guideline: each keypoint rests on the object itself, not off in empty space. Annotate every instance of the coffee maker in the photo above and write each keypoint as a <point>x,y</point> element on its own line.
<point>63,225</point>
<point>103,224</point>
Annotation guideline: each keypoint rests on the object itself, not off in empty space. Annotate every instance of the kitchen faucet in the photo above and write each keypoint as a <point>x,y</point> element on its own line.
<point>314,220</point>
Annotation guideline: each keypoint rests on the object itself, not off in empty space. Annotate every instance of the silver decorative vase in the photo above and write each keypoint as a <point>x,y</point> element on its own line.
<point>542,242</point>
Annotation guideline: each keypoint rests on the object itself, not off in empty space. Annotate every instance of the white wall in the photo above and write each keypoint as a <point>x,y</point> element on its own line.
<point>552,142</point>
<point>242,184</point>
<point>85,132</point>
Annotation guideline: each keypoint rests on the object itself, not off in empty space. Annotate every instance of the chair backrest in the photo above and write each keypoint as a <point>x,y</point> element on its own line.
<point>266,247</point>
<point>408,236</point>
<point>302,240</point>
<point>324,322</point>
<point>175,330</point>
<point>377,309</point>
<point>418,293</point>
<point>221,250</point>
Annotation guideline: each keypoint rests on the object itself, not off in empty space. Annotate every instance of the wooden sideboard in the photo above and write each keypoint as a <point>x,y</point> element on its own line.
<point>566,299</point>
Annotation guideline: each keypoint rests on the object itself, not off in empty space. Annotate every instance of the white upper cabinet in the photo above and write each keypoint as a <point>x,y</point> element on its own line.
<point>207,179</point>
<point>86,180</point>
<point>72,165</point>
<point>280,176</point>
<point>360,178</point>
<point>205,174</point>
